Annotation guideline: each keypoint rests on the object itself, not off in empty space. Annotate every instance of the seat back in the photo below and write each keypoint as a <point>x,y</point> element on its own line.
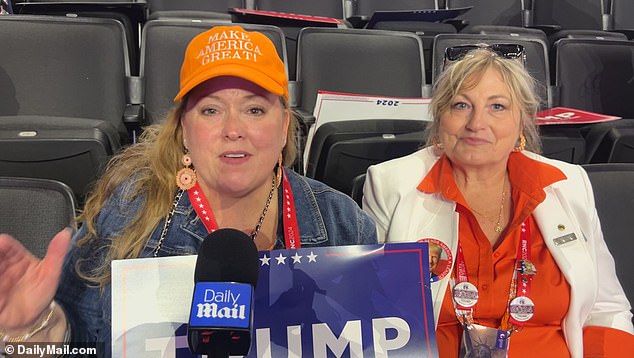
<point>536,55</point>
<point>610,142</point>
<point>623,10</point>
<point>563,142</point>
<point>595,75</point>
<point>342,150</point>
<point>427,32</point>
<point>327,8</point>
<point>61,66</point>
<point>197,5</point>
<point>585,34</point>
<point>367,7</point>
<point>614,200</point>
<point>372,62</point>
<point>163,47</point>
<point>34,210</point>
<point>514,31</point>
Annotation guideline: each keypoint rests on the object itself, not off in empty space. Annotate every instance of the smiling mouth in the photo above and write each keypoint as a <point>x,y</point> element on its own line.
<point>235,155</point>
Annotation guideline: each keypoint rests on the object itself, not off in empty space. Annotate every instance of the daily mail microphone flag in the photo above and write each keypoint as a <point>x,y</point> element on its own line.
<point>345,301</point>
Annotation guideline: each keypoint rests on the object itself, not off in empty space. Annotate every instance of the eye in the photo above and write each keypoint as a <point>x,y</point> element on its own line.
<point>460,105</point>
<point>208,111</point>
<point>256,110</point>
<point>498,107</point>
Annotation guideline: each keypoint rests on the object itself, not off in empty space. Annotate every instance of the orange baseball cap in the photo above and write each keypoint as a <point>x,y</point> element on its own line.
<point>232,51</point>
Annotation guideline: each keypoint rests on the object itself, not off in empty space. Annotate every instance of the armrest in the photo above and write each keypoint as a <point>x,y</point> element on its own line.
<point>548,29</point>
<point>358,21</point>
<point>627,32</point>
<point>133,119</point>
<point>304,121</point>
<point>459,24</point>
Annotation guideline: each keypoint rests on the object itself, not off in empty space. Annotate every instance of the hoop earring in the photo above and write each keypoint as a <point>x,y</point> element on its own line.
<point>436,143</point>
<point>522,144</point>
<point>186,177</point>
<point>280,165</point>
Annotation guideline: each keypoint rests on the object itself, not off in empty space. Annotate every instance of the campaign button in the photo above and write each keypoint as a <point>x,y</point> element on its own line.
<point>522,308</point>
<point>465,294</point>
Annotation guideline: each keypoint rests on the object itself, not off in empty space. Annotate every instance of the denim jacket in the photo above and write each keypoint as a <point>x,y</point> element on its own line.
<point>325,217</point>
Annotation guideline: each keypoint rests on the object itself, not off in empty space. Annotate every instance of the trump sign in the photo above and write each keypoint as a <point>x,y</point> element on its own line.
<point>352,301</point>
<point>347,301</point>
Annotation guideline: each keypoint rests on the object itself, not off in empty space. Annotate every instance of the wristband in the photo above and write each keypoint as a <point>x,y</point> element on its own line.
<point>35,328</point>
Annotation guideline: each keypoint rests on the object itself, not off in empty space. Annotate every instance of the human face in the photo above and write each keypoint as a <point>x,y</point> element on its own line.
<point>434,256</point>
<point>482,124</point>
<point>235,132</point>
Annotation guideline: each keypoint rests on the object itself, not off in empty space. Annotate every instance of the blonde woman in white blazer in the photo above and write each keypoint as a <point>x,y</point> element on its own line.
<point>480,189</point>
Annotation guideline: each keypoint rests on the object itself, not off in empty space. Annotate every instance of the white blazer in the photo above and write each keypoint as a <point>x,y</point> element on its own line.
<point>403,213</point>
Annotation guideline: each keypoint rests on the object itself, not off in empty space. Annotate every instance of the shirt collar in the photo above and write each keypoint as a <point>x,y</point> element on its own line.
<point>527,175</point>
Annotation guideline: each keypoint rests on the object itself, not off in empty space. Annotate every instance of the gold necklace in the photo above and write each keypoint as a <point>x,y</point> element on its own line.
<point>498,224</point>
<point>255,232</point>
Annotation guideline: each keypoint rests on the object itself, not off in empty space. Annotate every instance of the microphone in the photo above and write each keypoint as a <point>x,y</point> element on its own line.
<point>226,273</point>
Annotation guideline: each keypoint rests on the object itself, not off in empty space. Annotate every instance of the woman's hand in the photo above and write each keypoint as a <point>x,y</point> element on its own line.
<point>27,284</point>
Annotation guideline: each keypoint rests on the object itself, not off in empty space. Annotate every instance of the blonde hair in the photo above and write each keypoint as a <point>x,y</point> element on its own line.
<point>149,168</point>
<point>466,73</point>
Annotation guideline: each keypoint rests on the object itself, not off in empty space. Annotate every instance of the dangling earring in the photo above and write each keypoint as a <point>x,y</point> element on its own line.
<point>436,143</point>
<point>186,177</point>
<point>522,144</point>
<point>279,169</point>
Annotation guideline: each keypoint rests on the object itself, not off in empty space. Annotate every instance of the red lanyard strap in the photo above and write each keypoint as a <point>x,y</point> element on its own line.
<point>520,306</point>
<point>465,294</point>
<point>291,230</point>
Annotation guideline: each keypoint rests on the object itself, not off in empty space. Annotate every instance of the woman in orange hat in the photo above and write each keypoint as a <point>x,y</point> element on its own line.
<point>224,148</point>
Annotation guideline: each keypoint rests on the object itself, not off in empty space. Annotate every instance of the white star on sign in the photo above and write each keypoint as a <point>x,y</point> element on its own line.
<point>312,257</point>
<point>281,259</point>
<point>297,258</point>
<point>265,260</point>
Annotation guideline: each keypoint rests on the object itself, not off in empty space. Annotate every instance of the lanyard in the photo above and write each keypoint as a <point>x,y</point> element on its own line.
<point>291,230</point>
<point>520,307</point>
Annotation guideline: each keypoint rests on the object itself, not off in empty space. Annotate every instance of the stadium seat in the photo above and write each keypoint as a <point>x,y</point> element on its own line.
<point>342,150</point>
<point>427,31</point>
<point>614,200</point>
<point>62,97</point>
<point>563,142</point>
<point>359,61</point>
<point>595,75</point>
<point>131,13</point>
<point>326,8</point>
<point>368,7</point>
<point>371,62</point>
<point>514,31</point>
<point>622,20</point>
<point>216,10</point>
<point>357,188</point>
<point>610,142</point>
<point>51,202</point>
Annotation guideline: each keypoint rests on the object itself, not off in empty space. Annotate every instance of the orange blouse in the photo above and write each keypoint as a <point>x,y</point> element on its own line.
<point>491,269</point>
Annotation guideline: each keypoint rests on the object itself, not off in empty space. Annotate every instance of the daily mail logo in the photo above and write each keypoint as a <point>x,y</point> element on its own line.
<point>221,304</point>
